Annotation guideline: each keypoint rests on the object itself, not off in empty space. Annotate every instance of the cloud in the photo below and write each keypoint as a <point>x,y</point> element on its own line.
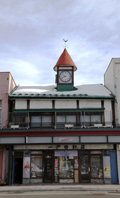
<point>32,33</point>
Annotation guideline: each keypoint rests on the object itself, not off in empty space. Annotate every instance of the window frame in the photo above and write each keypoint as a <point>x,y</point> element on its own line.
<point>92,177</point>
<point>36,155</point>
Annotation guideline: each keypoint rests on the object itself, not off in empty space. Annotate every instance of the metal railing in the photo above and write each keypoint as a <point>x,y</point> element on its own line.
<point>23,120</point>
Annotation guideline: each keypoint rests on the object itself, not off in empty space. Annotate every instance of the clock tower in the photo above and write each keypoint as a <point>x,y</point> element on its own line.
<point>65,68</point>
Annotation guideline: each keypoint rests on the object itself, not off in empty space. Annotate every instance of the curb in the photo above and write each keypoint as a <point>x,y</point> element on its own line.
<point>58,190</point>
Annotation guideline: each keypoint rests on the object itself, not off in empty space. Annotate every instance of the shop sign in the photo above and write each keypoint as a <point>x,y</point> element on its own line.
<point>67,139</point>
<point>66,153</point>
<point>26,167</point>
<point>107,172</point>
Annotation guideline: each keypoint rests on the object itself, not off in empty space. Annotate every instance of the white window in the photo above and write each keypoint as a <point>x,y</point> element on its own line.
<point>61,118</point>
<point>46,120</point>
<point>35,121</point>
<point>71,118</point>
<point>85,118</point>
<point>96,118</point>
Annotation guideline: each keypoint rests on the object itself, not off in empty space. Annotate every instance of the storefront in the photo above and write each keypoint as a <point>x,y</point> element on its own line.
<point>91,166</point>
<point>66,166</point>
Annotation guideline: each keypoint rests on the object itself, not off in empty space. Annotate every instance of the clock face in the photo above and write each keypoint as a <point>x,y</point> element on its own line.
<point>65,76</point>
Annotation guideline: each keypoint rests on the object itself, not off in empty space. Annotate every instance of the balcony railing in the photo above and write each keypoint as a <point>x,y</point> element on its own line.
<point>25,120</point>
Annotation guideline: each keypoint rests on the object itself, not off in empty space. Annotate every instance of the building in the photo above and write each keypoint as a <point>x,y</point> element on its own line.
<point>6,86</point>
<point>62,133</point>
<point>112,82</point>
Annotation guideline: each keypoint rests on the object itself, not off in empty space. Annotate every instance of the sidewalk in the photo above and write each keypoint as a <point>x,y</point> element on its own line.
<point>60,187</point>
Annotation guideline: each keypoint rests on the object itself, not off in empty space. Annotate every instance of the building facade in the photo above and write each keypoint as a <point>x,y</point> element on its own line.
<point>112,82</point>
<point>6,86</point>
<point>62,133</point>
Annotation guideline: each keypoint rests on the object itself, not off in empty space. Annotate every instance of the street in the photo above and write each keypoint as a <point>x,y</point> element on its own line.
<point>60,194</point>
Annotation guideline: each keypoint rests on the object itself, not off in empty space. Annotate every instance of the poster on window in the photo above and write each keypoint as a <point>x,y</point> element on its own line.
<point>26,167</point>
<point>56,163</point>
<point>107,172</point>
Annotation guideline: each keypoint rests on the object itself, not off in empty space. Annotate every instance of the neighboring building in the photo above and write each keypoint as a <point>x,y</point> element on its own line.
<point>112,82</point>
<point>6,86</point>
<point>62,133</point>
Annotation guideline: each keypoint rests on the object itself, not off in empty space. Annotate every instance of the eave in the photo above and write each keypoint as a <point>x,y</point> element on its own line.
<point>62,96</point>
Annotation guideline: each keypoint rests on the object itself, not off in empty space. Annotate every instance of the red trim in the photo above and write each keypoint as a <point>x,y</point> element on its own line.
<point>59,133</point>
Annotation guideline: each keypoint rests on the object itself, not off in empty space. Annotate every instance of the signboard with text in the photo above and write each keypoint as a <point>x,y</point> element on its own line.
<point>66,153</point>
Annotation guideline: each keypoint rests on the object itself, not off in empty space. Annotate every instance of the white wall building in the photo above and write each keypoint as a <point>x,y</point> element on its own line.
<point>63,133</point>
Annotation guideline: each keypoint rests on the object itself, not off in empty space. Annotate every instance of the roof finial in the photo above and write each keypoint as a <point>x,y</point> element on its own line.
<point>65,43</point>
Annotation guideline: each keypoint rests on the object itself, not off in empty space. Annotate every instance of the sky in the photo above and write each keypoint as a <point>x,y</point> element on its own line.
<point>32,33</point>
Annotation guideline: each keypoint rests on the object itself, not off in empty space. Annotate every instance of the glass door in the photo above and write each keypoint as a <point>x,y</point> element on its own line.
<point>48,168</point>
<point>84,169</point>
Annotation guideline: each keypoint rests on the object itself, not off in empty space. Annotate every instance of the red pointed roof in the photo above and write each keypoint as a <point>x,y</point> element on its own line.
<point>65,60</point>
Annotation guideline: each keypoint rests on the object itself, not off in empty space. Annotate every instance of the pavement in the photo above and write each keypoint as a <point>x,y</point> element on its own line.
<point>60,187</point>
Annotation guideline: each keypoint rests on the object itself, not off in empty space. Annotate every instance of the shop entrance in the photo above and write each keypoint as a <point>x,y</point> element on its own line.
<point>48,168</point>
<point>90,169</point>
<point>18,168</point>
<point>84,168</point>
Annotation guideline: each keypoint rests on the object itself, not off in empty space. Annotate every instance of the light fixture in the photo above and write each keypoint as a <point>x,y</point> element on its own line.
<point>66,147</point>
<point>58,145</point>
<point>74,147</point>
<point>82,146</point>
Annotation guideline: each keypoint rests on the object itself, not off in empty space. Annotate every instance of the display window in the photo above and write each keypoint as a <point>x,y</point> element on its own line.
<point>36,166</point>
<point>66,167</point>
<point>65,163</point>
<point>96,166</point>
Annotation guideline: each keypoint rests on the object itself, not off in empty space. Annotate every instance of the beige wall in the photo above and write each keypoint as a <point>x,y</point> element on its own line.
<point>6,85</point>
<point>21,104</point>
<point>40,104</point>
<point>12,83</point>
<point>90,103</point>
<point>65,104</point>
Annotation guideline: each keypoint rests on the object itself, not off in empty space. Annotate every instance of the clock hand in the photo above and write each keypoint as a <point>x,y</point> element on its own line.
<point>63,77</point>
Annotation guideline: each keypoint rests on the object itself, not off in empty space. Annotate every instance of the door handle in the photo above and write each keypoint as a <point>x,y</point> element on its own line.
<point>89,169</point>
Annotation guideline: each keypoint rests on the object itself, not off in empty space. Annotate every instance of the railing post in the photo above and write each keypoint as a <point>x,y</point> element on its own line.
<point>111,118</point>
<point>28,121</point>
<point>81,119</point>
<point>84,119</point>
<point>55,119</point>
